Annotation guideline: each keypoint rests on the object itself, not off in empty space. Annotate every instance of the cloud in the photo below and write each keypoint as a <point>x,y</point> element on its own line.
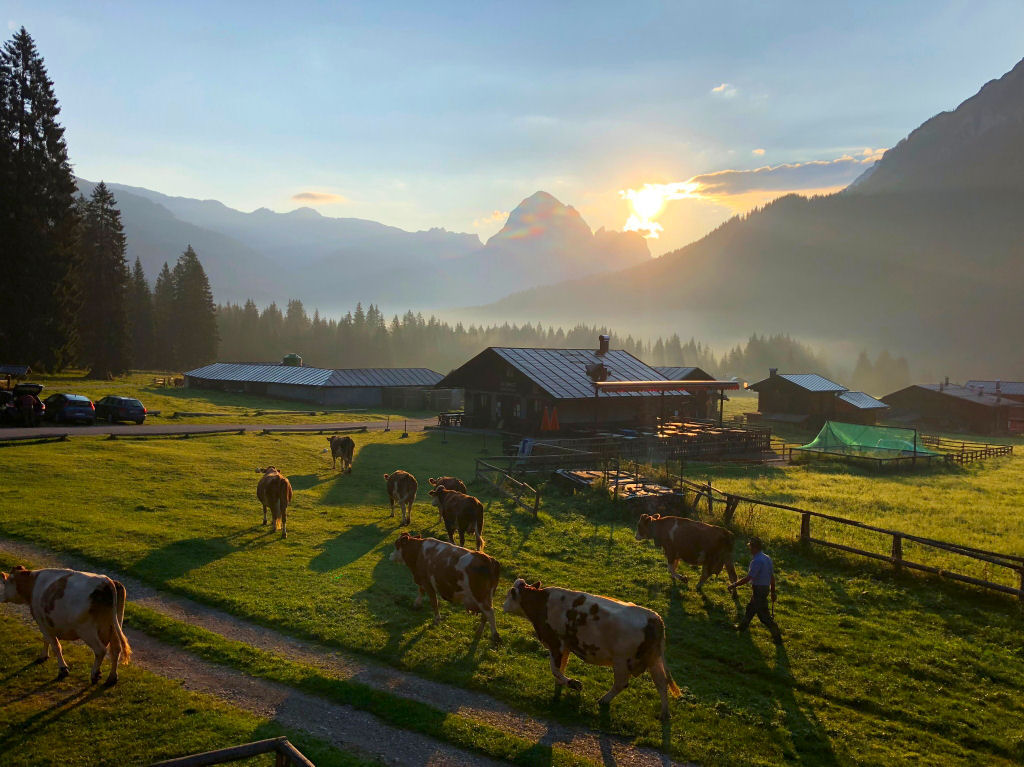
<point>495,217</point>
<point>787,177</point>
<point>318,198</point>
<point>725,90</point>
<point>758,152</point>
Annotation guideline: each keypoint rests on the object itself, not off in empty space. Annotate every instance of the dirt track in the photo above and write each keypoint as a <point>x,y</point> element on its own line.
<point>596,746</point>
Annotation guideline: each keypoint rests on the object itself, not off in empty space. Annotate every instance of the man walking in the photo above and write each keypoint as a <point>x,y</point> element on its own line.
<point>761,576</point>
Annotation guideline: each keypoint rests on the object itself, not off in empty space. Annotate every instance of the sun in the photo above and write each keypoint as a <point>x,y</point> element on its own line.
<point>647,202</point>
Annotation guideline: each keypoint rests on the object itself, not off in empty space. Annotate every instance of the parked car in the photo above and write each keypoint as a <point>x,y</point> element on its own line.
<point>70,408</point>
<point>112,408</point>
<point>21,405</point>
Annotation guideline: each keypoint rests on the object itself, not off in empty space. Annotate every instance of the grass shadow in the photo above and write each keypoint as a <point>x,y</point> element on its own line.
<point>344,549</point>
<point>175,559</point>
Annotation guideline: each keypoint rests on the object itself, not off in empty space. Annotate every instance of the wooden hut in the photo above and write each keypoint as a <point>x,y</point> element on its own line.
<point>957,408</point>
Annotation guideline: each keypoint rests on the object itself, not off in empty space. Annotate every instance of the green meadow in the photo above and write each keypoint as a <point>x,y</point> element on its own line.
<point>876,667</point>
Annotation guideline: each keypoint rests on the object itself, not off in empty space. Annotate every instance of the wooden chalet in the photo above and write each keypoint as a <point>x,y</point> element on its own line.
<point>809,399</point>
<point>706,403</point>
<point>958,408</point>
<point>512,388</point>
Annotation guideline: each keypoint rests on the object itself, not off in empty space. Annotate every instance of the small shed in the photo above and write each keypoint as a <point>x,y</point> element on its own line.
<point>705,402</point>
<point>511,388</point>
<point>353,387</point>
<point>860,408</point>
<point>806,398</point>
<point>957,408</point>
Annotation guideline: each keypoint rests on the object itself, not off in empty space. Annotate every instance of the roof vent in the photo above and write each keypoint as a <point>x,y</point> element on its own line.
<point>773,372</point>
<point>603,342</point>
<point>947,380</point>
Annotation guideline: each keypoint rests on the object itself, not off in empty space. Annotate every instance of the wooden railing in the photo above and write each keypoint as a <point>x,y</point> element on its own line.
<point>964,451</point>
<point>895,556</point>
<point>504,483</point>
<point>287,755</point>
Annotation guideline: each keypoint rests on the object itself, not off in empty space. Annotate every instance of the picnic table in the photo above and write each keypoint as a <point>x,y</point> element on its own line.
<point>450,419</point>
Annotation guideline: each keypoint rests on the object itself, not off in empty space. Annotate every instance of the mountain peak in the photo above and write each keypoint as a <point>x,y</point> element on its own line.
<point>305,212</point>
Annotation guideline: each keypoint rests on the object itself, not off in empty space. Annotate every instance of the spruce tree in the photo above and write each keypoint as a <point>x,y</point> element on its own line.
<point>105,345</point>
<point>164,332</point>
<point>140,318</point>
<point>195,314</point>
<point>37,214</point>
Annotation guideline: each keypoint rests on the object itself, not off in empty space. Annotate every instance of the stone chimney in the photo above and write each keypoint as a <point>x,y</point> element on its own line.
<point>772,372</point>
<point>603,342</point>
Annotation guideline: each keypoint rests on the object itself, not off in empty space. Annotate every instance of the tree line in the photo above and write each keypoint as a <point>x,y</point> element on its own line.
<point>69,296</point>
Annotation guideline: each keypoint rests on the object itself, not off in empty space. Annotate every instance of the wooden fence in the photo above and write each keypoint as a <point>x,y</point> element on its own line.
<point>32,439</point>
<point>894,556</point>
<point>963,451</point>
<point>150,433</point>
<point>325,430</point>
<point>511,487</point>
<point>286,755</point>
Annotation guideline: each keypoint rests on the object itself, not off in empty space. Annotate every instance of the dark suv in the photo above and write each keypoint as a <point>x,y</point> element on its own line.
<point>21,405</point>
<point>70,408</point>
<point>113,408</point>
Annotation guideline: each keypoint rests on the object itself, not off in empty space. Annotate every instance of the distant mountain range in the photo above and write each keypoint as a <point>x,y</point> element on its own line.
<point>923,255</point>
<point>333,262</point>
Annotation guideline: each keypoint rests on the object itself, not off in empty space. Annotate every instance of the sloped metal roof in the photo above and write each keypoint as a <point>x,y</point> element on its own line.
<point>680,373</point>
<point>1014,388</point>
<point>562,373</point>
<point>862,401</point>
<point>307,376</point>
<point>14,370</point>
<point>973,395</point>
<point>384,377</point>
<point>808,381</point>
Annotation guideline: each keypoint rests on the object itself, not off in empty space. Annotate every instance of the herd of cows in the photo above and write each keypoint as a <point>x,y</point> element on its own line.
<point>69,605</point>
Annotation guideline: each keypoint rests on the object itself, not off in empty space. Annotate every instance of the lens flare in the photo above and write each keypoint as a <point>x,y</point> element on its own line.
<point>649,201</point>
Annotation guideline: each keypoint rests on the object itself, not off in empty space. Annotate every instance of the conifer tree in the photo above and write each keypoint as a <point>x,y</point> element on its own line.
<point>164,332</point>
<point>105,345</point>
<point>140,318</point>
<point>194,313</point>
<point>38,221</point>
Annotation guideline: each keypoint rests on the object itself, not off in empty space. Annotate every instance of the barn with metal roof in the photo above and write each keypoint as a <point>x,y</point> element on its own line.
<point>357,387</point>
<point>510,388</point>
<point>958,408</point>
<point>812,399</point>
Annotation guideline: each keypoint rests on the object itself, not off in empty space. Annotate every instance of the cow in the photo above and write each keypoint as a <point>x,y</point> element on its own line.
<point>274,490</point>
<point>69,605</point>
<point>460,512</point>
<point>598,630</point>
<point>401,486</point>
<point>343,448</point>
<point>459,575</point>
<point>452,483</point>
<point>693,542</point>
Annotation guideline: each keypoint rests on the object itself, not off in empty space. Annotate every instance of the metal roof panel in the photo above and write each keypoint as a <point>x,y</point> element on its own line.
<point>862,401</point>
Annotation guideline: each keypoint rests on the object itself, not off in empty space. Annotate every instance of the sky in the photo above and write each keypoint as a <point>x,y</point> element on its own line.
<point>442,114</point>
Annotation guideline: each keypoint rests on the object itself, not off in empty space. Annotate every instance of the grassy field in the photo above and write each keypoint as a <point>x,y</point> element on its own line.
<point>875,669</point>
<point>230,407</point>
<point>143,719</point>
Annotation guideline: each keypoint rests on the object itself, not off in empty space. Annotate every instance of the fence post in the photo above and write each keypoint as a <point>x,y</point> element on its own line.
<point>711,501</point>
<point>805,528</point>
<point>731,502</point>
<point>536,503</point>
<point>1020,585</point>
<point>897,552</point>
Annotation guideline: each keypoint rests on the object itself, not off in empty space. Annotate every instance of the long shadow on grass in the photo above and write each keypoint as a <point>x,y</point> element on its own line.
<point>28,728</point>
<point>346,548</point>
<point>177,558</point>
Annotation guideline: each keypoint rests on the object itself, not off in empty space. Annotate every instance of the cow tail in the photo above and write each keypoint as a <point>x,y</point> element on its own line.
<point>495,566</point>
<point>480,524</point>
<point>120,596</point>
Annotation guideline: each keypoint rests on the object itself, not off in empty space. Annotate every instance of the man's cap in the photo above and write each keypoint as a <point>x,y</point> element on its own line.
<point>755,541</point>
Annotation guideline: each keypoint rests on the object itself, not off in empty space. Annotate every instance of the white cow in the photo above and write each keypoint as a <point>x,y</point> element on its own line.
<point>68,604</point>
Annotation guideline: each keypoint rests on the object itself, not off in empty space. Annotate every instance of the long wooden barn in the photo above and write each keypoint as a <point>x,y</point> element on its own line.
<point>510,388</point>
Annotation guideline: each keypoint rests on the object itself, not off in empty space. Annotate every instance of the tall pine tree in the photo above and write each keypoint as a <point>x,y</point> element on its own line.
<point>105,345</point>
<point>195,315</point>
<point>164,333</point>
<point>140,318</point>
<point>37,214</point>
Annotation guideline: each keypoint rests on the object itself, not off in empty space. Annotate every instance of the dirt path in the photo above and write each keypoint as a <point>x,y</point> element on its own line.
<point>596,746</point>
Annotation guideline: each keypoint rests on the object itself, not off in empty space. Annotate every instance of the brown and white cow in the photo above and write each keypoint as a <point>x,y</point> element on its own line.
<point>274,490</point>
<point>693,542</point>
<point>401,487</point>
<point>452,483</point>
<point>598,630</point>
<point>69,605</point>
<point>460,512</point>
<point>459,575</point>
<point>343,448</point>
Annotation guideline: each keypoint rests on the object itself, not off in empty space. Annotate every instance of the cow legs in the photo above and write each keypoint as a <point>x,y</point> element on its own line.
<point>264,513</point>
<point>407,513</point>
<point>41,658</point>
<point>672,563</point>
<point>558,664</point>
<point>433,603</point>
<point>705,573</point>
<point>731,569</point>
<point>62,666</point>
<point>487,616</point>
<point>621,683</point>
<point>462,537</point>
<point>99,648</point>
<point>419,599</point>
<point>660,677</point>
<point>284,523</point>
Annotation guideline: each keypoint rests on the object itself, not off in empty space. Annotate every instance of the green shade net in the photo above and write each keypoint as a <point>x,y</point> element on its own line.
<point>866,441</point>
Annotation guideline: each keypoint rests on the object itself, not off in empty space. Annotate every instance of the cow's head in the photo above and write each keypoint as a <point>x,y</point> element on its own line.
<point>644,526</point>
<point>438,494</point>
<point>17,586</point>
<point>433,481</point>
<point>514,599</point>
<point>267,470</point>
<point>404,540</point>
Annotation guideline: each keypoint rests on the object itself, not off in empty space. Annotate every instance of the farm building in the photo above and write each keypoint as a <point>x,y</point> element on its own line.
<point>705,404</point>
<point>1012,390</point>
<point>358,387</point>
<point>11,373</point>
<point>957,408</point>
<point>510,388</point>
<point>810,399</point>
